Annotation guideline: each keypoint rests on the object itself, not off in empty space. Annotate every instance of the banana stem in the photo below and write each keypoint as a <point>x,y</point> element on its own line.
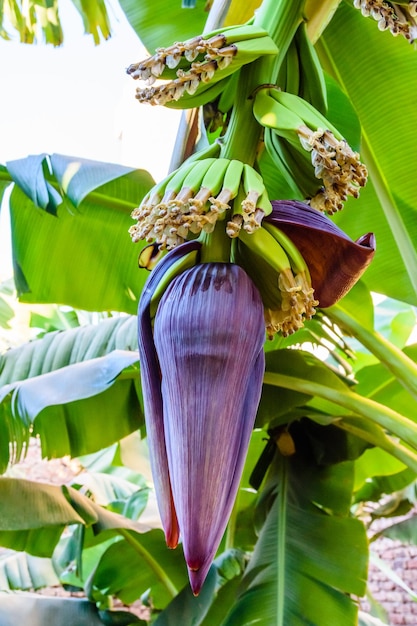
<point>280,18</point>
<point>216,246</point>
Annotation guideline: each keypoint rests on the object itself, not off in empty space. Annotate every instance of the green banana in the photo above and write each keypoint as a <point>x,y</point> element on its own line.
<point>190,65</point>
<point>229,191</point>
<point>305,111</point>
<point>238,32</point>
<point>313,85</point>
<point>214,178</point>
<point>262,243</point>
<point>193,180</point>
<point>272,114</point>
<point>252,181</point>
<point>272,146</point>
<point>210,186</point>
<point>233,177</point>
<point>298,163</point>
<point>297,262</point>
<point>150,256</point>
<point>156,193</point>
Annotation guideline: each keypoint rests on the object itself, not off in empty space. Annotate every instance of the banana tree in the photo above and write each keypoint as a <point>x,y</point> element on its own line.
<point>260,451</point>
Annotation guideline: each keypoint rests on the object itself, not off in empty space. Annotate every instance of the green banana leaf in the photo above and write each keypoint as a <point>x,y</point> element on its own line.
<point>161,22</point>
<point>21,608</point>
<point>34,514</point>
<point>24,572</point>
<point>6,313</point>
<point>69,407</point>
<point>301,572</point>
<point>61,348</point>
<point>60,205</point>
<point>187,609</point>
<point>379,80</point>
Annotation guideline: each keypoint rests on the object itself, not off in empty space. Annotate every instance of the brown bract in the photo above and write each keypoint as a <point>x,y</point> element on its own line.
<point>334,260</point>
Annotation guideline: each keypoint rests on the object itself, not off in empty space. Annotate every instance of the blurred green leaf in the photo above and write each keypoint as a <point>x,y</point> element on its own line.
<point>21,571</point>
<point>22,608</point>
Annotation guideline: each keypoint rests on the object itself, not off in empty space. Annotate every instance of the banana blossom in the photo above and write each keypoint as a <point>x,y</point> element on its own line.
<point>202,365</point>
<point>202,369</point>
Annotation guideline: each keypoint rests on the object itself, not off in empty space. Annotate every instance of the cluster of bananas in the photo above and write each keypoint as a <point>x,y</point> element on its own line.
<point>196,70</point>
<point>275,265</point>
<point>311,153</point>
<point>200,192</point>
<point>281,274</point>
<point>397,17</point>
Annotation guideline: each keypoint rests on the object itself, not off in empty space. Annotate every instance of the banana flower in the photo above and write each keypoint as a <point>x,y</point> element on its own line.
<point>202,369</point>
<point>202,365</point>
<point>335,262</point>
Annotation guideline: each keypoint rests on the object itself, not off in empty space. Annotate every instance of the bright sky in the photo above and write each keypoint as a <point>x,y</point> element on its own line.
<point>78,100</point>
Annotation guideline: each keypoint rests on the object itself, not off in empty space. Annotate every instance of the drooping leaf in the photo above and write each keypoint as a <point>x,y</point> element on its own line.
<point>95,18</point>
<point>88,407</point>
<point>36,610</point>
<point>33,515</point>
<point>24,572</point>
<point>404,531</point>
<point>96,227</point>
<point>131,566</point>
<point>59,349</point>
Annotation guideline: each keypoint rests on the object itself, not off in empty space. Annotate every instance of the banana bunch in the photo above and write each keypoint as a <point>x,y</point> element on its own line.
<point>279,271</point>
<point>398,17</point>
<point>194,197</point>
<point>308,150</point>
<point>195,72</point>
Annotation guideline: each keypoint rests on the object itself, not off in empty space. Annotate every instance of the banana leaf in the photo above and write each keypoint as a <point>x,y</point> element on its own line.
<point>75,410</point>
<point>387,204</point>
<point>301,571</point>
<point>162,22</point>
<point>21,608</point>
<point>64,204</point>
<point>61,348</point>
<point>24,572</point>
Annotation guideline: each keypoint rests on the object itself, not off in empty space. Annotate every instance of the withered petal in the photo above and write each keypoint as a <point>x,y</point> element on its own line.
<point>335,261</point>
<point>209,334</point>
<point>152,396</point>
